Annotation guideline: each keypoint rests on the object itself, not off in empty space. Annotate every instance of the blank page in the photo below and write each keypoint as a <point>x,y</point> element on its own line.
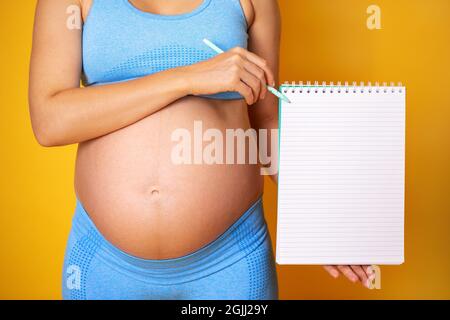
<point>341,175</point>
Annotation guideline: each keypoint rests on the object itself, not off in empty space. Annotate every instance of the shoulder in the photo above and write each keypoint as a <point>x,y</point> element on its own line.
<point>264,9</point>
<point>266,6</point>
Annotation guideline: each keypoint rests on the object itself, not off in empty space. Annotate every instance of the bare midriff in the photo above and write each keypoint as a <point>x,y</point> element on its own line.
<point>152,207</point>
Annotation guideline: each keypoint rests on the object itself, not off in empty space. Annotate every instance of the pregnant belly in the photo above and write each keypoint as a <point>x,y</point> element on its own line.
<point>151,205</point>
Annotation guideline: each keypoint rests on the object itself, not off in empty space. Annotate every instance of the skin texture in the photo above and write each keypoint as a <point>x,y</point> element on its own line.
<point>140,201</point>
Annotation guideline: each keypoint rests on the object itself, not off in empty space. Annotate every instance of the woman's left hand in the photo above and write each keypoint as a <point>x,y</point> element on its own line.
<point>353,273</point>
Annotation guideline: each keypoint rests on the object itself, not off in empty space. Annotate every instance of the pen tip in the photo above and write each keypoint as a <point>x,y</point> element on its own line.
<point>285,99</point>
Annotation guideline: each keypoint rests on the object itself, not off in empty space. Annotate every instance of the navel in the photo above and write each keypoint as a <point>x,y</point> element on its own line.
<point>154,191</point>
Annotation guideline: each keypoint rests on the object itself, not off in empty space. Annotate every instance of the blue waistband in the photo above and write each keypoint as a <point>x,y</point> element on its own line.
<point>240,239</point>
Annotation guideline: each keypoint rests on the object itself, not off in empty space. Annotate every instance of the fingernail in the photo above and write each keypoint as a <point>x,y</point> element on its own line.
<point>335,274</point>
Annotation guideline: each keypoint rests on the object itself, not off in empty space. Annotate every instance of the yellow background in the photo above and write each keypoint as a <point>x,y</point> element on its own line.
<point>322,40</point>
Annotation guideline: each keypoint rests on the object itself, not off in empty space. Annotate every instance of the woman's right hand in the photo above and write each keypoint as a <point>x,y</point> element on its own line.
<point>237,70</point>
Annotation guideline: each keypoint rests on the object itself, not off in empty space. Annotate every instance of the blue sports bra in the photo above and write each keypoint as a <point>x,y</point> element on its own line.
<point>121,42</point>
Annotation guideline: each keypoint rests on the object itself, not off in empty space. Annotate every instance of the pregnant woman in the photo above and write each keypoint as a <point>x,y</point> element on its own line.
<point>144,226</point>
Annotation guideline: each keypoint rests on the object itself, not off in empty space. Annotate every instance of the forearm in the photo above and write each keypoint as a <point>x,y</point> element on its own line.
<point>272,146</point>
<point>268,123</point>
<point>80,114</point>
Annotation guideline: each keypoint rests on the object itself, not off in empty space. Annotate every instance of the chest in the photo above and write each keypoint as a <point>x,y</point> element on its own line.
<point>123,42</point>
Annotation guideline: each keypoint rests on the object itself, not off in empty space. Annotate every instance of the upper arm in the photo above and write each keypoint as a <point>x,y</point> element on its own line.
<point>56,59</point>
<point>264,40</point>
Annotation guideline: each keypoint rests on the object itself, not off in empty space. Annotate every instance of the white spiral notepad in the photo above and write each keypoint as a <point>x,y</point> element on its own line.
<point>341,175</point>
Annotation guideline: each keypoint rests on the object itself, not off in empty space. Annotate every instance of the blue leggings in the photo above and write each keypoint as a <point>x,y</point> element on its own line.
<point>239,264</point>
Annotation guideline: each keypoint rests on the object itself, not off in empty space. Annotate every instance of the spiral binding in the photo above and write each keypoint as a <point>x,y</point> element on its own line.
<point>339,87</point>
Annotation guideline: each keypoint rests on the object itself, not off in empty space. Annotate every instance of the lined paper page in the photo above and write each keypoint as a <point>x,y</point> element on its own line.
<point>341,177</point>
